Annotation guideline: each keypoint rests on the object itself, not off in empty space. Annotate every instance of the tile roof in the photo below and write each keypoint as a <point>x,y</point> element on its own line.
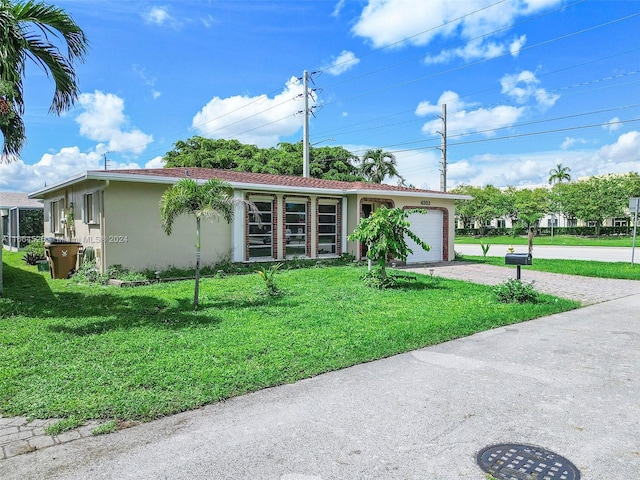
<point>233,176</point>
<point>18,199</point>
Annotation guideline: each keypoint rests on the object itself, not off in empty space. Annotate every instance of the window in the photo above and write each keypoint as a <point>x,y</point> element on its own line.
<point>90,208</point>
<point>261,233</point>
<point>572,222</point>
<point>56,214</point>
<point>296,228</point>
<point>501,223</point>
<point>327,229</point>
<point>619,222</point>
<point>552,222</point>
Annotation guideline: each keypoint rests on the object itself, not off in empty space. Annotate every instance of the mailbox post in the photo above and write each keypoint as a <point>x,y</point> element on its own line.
<point>518,259</point>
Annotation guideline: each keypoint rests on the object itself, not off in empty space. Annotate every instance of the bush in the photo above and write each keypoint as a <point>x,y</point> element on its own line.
<point>89,273</point>
<point>515,291</point>
<point>268,274</point>
<point>34,252</point>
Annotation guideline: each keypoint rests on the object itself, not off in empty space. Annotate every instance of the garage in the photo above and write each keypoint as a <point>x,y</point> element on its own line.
<point>429,228</point>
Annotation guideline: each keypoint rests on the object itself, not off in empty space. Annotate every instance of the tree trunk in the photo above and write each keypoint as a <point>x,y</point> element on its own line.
<point>197,288</point>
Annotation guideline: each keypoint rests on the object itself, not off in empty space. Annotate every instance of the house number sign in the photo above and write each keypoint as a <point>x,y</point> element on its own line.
<point>425,202</point>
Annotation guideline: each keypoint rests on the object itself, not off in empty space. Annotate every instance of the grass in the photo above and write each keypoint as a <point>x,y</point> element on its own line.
<point>76,352</point>
<point>584,268</point>
<point>557,240</point>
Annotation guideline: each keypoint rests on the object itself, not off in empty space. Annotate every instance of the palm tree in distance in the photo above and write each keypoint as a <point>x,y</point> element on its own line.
<point>210,200</point>
<point>378,165</point>
<point>559,174</point>
<point>27,31</point>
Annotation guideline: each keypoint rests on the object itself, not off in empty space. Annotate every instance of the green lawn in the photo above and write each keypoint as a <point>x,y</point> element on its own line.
<point>585,268</point>
<point>81,352</point>
<point>557,240</point>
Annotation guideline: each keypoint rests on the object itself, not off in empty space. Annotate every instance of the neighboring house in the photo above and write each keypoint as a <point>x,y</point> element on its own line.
<point>117,213</point>
<point>21,219</point>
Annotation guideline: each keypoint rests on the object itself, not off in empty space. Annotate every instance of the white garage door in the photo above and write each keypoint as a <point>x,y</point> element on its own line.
<point>429,228</point>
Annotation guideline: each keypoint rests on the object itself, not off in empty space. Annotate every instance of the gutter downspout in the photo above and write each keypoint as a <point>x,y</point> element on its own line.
<point>103,231</point>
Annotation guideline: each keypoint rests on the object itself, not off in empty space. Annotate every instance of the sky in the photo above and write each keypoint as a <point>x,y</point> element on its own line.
<point>527,84</point>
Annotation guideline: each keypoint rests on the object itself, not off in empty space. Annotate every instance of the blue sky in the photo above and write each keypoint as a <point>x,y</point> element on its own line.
<point>528,84</point>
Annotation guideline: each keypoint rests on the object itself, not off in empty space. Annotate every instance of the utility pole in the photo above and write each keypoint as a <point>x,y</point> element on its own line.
<point>443,149</point>
<point>104,155</point>
<point>305,126</point>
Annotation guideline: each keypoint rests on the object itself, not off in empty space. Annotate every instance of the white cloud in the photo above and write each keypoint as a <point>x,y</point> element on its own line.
<point>338,8</point>
<point>626,149</point>
<point>156,162</point>
<point>464,118</point>
<point>160,16</point>
<point>53,168</point>
<point>103,119</point>
<point>517,45</point>
<point>343,62</point>
<point>258,120</point>
<point>532,169</point>
<point>523,86</point>
<point>570,142</point>
<point>386,22</point>
<point>478,49</point>
<point>149,81</point>
<point>613,125</point>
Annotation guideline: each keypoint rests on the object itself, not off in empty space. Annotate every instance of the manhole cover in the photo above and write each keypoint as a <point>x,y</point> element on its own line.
<point>509,461</point>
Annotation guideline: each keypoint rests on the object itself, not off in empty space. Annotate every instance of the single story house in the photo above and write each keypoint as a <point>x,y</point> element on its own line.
<point>117,213</point>
<point>21,219</point>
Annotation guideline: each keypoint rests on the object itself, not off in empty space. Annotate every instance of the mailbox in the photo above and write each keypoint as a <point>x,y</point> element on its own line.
<point>518,259</point>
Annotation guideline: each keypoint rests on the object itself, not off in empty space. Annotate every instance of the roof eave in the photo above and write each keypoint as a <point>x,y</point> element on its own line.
<point>141,178</point>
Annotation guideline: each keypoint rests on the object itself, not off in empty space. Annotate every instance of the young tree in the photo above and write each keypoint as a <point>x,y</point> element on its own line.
<point>27,30</point>
<point>212,199</point>
<point>378,165</point>
<point>384,231</point>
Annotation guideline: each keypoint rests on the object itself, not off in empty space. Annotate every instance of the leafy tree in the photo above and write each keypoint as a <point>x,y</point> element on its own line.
<point>212,199</point>
<point>531,206</point>
<point>334,163</point>
<point>27,29</point>
<point>384,231</point>
<point>378,165</point>
<point>487,203</point>
<point>597,198</point>
<point>559,174</point>
<point>330,163</point>
<point>207,153</point>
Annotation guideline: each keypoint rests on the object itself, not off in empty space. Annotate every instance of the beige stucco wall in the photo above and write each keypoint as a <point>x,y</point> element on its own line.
<point>73,200</point>
<point>134,237</point>
<point>128,230</point>
<point>424,202</point>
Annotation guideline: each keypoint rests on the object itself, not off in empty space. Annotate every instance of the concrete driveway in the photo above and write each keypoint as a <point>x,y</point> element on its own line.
<point>569,383</point>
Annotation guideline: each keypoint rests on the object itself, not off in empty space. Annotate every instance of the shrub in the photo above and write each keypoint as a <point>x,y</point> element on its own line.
<point>515,291</point>
<point>34,252</point>
<point>269,277</point>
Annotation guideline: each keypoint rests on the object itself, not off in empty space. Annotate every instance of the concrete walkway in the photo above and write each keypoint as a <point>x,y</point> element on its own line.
<point>569,383</point>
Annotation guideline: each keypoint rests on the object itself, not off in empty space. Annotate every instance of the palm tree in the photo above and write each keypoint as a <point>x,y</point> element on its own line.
<point>378,165</point>
<point>559,174</point>
<point>26,30</point>
<point>212,199</point>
